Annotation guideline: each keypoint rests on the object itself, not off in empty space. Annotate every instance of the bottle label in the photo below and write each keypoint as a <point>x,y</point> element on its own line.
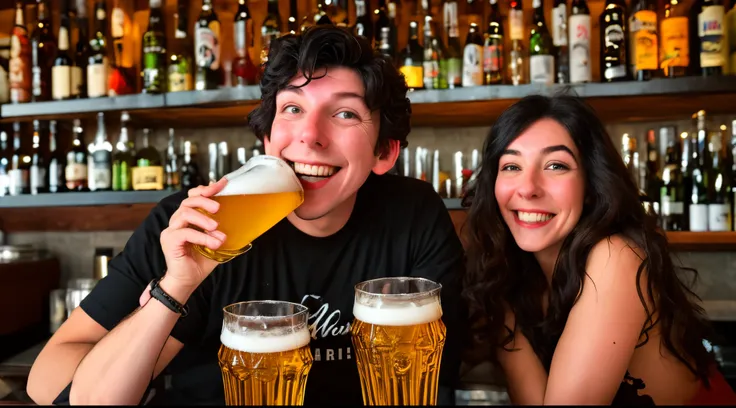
<point>38,178</point>
<point>431,72</point>
<point>675,50</point>
<point>97,79</point>
<point>472,65</point>
<point>207,42</point>
<point>55,172</point>
<point>516,24</point>
<point>75,172</point>
<point>117,23</point>
<point>19,66</point>
<point>669,207</point>
<point>450,18</point>
<point>542,69</point>
<point>698,217</point>
<point>580,48</point>
<point>414,76</point>
<point>493,58</point>
<point>454,71</point>
<point>18,181</point>
<point>240,37</point>
<point>559,25</point>
<point>643,40</point>
<point>76,73</point>
<point>61,82</point>
<point>710,31</point>
<point>179,81</point>
<point>719,217</point>
<point>148,178</point>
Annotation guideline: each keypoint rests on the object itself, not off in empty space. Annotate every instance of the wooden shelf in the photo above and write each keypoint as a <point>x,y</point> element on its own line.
<point>659,99</point>
<point>124,211</point>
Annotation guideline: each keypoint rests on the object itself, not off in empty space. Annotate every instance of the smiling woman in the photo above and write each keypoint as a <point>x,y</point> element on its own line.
<point>570,283</point>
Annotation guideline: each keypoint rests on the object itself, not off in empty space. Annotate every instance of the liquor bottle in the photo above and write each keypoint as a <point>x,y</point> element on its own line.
<point>613,55</point>
<point>652,185</point>
<point>180,61</point>
<point>244,71</point>
<point>61,72</point>
<point>434,60</point>
<point>719,187</point>
<point>699,173</point>
<point>384,46</point>
<point>99,161</point>
<point>711,34</point>
<point>675,49</point>
<point>148,174</point>
<point>154,51</point>
<point>20,164</point>
<point>37,173</point>
<point>172,164</point>
<point>190,174</point>
<point>473,57</point>
<point>559,39</point>
<point>386,18</point>
<point>672,195</point>
<point>76,161</point>
<point>363,24</point>
<point>123,158</point>
<point>97,58</point>
<point>541,59</point>
<point>19,73</point>
<point>493,47</point>
<point>6,155</point>
<point>271,29</point>
<point>517,60</point>
<point>694,38</point>
<point>630,157</point>
<point>292,22</point>
<point>43,51</point>
<point>579,39</point>
<point>453,52</point>
<point>207,41</point>
<point>644,59</point>
<point>81,56</point>
<point>122,77</point>
<point>57,163</point>
<point>730,23</point>
<point>411,63</point>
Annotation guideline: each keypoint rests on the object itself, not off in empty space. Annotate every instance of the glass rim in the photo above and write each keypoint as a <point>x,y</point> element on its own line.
<point>300,310</point>
<point>430,292</point>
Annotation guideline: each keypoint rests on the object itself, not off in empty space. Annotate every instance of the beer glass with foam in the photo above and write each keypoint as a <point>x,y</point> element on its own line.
<point>398,336</point>
<point>264,354</point>
<point>257,196</point>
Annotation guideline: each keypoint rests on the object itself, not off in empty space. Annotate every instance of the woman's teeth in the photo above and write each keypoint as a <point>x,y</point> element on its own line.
<point>533,217</point>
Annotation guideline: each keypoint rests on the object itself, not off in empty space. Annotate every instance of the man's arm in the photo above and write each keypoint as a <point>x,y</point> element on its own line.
<point>54,367</point>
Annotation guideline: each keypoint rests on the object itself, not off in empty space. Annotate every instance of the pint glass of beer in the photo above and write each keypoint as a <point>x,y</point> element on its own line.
<point>264,354</point>
<point>257,196</point>
<point>398,336</point>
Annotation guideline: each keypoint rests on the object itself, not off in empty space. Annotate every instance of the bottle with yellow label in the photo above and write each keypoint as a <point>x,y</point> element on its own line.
<point>412,60</point>
<point>148,173</point>
<point>643,46</point>
<point>675,50</point>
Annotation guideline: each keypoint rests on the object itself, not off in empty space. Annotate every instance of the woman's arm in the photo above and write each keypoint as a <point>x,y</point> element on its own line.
<point>526,377</point>
<point>602,330</point>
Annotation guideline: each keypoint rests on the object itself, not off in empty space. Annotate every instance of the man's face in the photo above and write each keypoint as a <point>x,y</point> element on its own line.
<point>326,131</point>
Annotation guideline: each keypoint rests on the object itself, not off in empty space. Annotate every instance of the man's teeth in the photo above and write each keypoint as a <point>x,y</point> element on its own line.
<point>312,170</point>
<point>534,217</point>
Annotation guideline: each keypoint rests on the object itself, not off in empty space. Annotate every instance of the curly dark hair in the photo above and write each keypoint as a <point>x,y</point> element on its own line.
<point>501,275</point>
<point>326,46</point>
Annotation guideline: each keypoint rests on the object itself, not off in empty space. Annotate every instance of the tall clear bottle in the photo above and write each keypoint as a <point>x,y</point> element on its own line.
<point>493,48</point>
<point>99,160</point>
<point>559,38</point>
<point>541,57</point>
<point>517,54</point>
<point>123,158</point>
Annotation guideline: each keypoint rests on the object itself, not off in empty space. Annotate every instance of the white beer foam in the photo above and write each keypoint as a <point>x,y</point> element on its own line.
<point>404,315</point>
<point>266,175</point>
<point>265,342</point>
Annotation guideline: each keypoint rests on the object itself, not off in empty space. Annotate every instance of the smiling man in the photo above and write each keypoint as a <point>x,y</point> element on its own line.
<point>338,113</point>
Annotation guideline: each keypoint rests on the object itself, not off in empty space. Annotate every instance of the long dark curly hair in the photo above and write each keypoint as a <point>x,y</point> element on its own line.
<point>500,274</point>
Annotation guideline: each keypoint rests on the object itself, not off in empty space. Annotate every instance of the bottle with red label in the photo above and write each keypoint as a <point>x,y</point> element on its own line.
<point>19,66</point>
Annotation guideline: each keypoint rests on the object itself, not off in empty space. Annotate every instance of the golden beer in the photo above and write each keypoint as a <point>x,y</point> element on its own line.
<point>265,358</point>
<point>398,336</point>
<point>256,197</point>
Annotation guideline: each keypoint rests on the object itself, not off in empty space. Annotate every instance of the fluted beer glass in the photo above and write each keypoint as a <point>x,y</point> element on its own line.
<point>264,354</point>
<point>398,336</point>
<point>257,196</point>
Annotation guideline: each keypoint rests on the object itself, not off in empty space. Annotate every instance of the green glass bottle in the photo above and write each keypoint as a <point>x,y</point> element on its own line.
<point>154,52</point>
<point>123,158</point>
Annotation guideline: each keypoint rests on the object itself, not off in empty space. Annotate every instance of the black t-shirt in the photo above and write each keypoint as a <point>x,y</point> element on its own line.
<point>399,227</point>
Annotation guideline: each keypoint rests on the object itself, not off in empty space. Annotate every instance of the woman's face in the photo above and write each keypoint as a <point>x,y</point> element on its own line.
<point>540,187</point>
